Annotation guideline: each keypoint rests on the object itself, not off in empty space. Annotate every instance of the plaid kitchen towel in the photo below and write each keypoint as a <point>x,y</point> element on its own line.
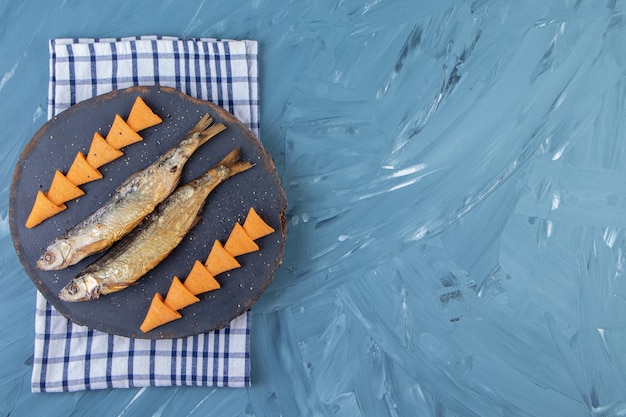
<point>69,357</point>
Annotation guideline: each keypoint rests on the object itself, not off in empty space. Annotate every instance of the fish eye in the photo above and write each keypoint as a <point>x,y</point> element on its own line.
<point>48,257</point>
<point>72,289</point>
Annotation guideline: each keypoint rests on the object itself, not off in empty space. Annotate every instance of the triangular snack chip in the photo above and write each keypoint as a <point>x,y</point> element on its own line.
<point>178,296</point>
<point>141,116</point>
<point>219,260</point>
<point>62,189</point>
<point>239,243</point>
<point>158,314</point>
<point>81,172</point>
<point>42,209</point>
<point>121,134</point>
<point>200,280</point>
<point>101,152</point>
<point>255,226</point>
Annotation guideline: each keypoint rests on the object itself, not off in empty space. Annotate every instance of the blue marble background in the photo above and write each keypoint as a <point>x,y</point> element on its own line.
<point>457,220</point>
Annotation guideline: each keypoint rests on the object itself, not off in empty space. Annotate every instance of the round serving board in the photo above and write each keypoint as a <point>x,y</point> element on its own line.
<point>54,147</point>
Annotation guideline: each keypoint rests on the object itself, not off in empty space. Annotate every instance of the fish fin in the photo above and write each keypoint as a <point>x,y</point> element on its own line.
<point>204,122</point>
<point>113,287</point>
<point>211,131</point>
<point>206,128</point>
<point>231,158</point>
<point>232,162</point>
<point>239,167</point>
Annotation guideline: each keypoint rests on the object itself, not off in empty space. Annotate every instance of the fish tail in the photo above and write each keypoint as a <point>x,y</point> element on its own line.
<point>232,162</point>
<point>205,129</point>
<point>238,167</point>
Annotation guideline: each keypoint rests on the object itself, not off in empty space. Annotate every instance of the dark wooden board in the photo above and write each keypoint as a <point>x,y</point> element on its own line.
<point>55,145</point>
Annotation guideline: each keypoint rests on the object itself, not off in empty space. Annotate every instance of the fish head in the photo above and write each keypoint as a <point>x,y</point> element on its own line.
<point>83,288</point>
<point>55,257</point>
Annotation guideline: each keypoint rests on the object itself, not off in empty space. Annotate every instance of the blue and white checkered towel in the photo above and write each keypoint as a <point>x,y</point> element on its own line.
<point>69,357</point>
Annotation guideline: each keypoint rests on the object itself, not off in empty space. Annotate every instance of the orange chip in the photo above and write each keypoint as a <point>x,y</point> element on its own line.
<point>239,243</point>
<point>101,152</point>
<point>81,172</point>
<point>42,209</point>
<point>255,226</point>
<point>62,189</point>
<point>121,134</point>
<point>141,116</point>
<point>219,260</point>
<point>178,296</point>
<point>158,314</point>
<point>200,280</point>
